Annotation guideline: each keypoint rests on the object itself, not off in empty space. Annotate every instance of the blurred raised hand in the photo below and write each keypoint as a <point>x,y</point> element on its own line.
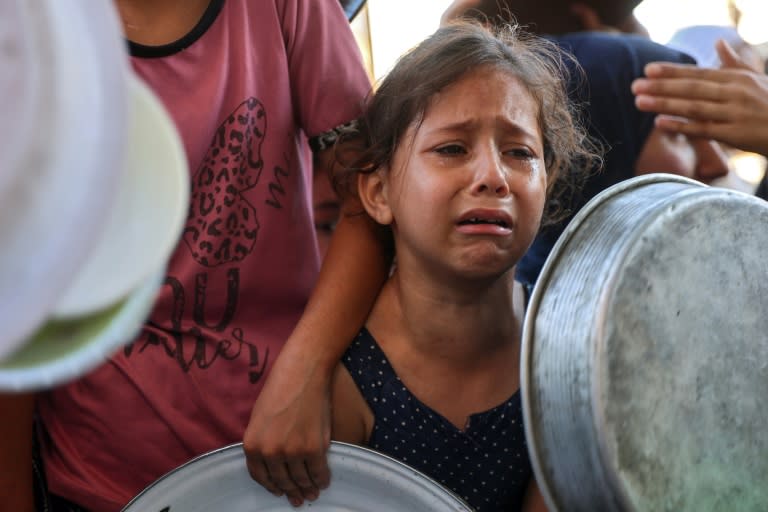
<point>729,104</point>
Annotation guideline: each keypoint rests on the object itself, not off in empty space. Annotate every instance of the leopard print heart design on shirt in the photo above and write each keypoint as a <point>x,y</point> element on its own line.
<point>222,225</point>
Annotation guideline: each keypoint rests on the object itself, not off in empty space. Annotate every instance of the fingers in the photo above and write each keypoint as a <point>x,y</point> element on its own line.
<point>728,56</point>
<point>257,468</point>
<point>693,109</point>
<point>729,105</point>
<point>286,476</point>
<point>702,129</point>
<point>737,132</point>
<point>319,473</point>
<point>691,89</point>
<point>656,72</point>
<point>298,472</point>
<point>291,478</point>
<point>731,59</point>
<point>289,431</point>
<point>659,70</point>
<point>692,99</point>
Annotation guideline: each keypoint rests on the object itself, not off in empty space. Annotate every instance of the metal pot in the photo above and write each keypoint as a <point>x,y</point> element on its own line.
<point>645,353</point>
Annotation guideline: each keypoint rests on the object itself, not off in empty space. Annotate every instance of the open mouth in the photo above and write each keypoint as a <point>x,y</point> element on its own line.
<point>477,220</point>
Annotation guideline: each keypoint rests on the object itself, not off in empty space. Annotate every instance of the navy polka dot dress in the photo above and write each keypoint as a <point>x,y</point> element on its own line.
<point>486,464</point>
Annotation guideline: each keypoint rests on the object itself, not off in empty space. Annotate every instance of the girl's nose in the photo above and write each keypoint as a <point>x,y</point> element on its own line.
<point>490,176</point>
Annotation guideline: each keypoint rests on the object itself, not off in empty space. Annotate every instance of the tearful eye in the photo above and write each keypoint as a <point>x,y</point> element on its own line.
<point>521,153</point>
<point>450,149</point>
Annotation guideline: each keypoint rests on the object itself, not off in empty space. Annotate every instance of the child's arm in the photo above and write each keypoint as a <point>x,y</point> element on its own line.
<point>534,501</point>
<point>16,419</point>
<point>289,430</point>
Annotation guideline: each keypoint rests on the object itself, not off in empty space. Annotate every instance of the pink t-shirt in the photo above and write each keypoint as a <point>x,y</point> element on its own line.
<point>245,87</point>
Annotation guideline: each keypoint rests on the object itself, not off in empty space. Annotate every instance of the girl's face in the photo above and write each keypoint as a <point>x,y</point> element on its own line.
<point>467,187</point>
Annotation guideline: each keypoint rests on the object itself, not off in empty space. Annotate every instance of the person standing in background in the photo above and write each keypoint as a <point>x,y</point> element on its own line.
<point>247,83</point>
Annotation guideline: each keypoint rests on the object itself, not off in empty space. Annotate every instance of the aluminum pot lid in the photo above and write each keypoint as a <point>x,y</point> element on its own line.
<point>145,220</point>
<point>62,119</point>
<point>116,285</point>
<point>361,480</point>
<point>64,349</point>
<point>644,389</point>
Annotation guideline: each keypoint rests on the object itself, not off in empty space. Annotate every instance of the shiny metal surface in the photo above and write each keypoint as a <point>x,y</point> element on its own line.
<point>362,480</point>
<point>62,350</point>
<point>645,353</point>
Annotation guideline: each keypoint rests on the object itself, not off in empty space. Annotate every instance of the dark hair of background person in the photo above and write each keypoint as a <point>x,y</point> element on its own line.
<point>553,16</point>
<point>610,62</point>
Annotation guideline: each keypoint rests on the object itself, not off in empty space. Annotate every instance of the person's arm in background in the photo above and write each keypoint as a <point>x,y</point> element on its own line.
<point>534,500</point>
<point>729,104</point>
<point>16,421</point>
<point>289,431</point>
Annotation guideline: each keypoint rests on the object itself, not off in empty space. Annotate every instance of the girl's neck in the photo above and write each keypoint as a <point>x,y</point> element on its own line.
<point>159,22</point>
<point>459,323</point>
<point>457,350</point>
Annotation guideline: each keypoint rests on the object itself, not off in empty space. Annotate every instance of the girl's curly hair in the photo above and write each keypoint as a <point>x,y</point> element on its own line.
<point>442,59</point>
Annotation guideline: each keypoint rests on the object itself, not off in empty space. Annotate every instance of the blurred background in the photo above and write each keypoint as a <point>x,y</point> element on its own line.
<point>381,45</point>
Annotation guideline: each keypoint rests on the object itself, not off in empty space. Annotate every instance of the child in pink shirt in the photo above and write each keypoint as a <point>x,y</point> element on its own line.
<point>249,85</point>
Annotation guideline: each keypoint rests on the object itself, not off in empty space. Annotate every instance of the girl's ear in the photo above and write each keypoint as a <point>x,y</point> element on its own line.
<point>372,188</point>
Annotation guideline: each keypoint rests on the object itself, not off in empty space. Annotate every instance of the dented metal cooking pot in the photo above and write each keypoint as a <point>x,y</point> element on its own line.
<point>645,353</point>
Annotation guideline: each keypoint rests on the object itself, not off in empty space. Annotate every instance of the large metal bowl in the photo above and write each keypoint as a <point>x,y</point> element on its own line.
<point>645,353</point>
<point>362,480</point>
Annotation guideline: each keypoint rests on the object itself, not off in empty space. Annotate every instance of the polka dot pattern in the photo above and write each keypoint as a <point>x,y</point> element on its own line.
<point>486,463</point>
